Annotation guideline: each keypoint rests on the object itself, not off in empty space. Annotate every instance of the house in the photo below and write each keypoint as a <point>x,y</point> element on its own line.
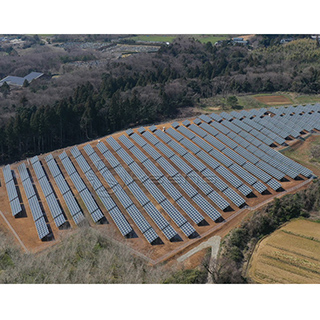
<point>18,81</point>
<point>239,40</point>
<point>282,41</point>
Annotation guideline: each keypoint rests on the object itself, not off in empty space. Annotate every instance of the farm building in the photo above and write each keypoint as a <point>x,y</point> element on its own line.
<point>18,81</point>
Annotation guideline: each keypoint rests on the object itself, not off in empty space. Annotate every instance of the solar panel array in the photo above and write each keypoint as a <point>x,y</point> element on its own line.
<point>84,193</point>
<point>12,191</point>
<point>72,204</point>
<point>143,225</point>
<point>54,207</point>
<point>36,211</point>
<point>186,172</point>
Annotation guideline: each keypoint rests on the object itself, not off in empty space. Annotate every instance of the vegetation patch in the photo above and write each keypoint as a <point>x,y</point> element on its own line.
<point>289,255</point>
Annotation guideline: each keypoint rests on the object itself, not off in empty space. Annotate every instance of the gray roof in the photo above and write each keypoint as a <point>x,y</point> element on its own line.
<point>18,81</point>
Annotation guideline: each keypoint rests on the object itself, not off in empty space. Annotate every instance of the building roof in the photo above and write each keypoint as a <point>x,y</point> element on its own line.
<point>18,81</point>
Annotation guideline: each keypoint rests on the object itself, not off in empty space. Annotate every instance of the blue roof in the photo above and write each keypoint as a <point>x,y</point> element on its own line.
<point>19,80</point>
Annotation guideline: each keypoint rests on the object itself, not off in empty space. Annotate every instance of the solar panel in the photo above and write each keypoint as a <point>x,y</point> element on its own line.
<point>193,213</point>
<point>153,169</point>
<point>208,159</point>
<point>175,134</point>
<point>257,172</point>
<point>151,138</point>
<point>77,181</point>
<point>153,128</point>
<point>198,181</point>
<point>218,200</point>
<point>123,197</point>
<point>200,132</point>
<point>181,164</point>
<point>93,179</point>
<point>209,129</point>
<point>178,148</point>
<point>215,180</point>
<point>190,145</point>
<point>53,167</point>
<point>206,207</point>
<point>7,173</point>
<point>28,188</point>
<point>23,172</point>
<point>141,142</point>
<point>105,198</point>
<point>167,167</point>
<point>142,176</point>
<point>152,152</point>
<point>38,169</point>
<point>42,228</point>
<point>245,175</point>
<point>124,175</point>
<point>215,142</point>
<point>15,206</point>
<point>174,214</point>
<point>165,150</point>
<point>73,206</point>
<point>231,178</point>
<point>75,152</point>
<point>245,190</point>
<point>203,144</point>
<point>11,190</point>
<point>195,162</point>
<point>83,164</point>
<point>234,156</point>
<point>53,206</point>
<point>139,194</point>
<point>60,220</point>
<point>221,157</point>
<point>102,147</point>
<point>113,143</point>
<point>274,184</point>
<point>260,187</point>
<point>138,218</point>
<point>164,137</point>
<point>171,190</point>
<point>157,217</point>
<point>154,191</point>
<point>89,201</point>
<point>182,182</point>
<point>138,154</point>
<point>68,165</point>
<point>234,197</point>
<point>186,132</point>
<point>120,221</point>
<point>186,123</point>
<point>35,208</point>
<point>62,185</point>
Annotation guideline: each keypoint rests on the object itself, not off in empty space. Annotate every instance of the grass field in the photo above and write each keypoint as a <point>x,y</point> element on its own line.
<point>154,37</point>
<point>204,38</point>
<point>300,152</point>
<point>273,100</point>
<point>289,255</point>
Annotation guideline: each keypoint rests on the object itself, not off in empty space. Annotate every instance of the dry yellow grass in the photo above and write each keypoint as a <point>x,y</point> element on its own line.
<point>290,255</point>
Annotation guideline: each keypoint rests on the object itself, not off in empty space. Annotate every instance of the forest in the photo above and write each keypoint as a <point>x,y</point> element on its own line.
<point>147,88</point>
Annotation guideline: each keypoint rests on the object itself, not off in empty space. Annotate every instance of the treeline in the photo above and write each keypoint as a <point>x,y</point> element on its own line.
<point>238,246</point>
<point>86,115</point>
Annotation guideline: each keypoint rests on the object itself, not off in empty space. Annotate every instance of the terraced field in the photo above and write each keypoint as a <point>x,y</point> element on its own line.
<point>290,255</point>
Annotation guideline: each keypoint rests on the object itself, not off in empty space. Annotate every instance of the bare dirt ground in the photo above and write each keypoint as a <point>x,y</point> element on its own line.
<point>289,255</point>
<point>274,100</point>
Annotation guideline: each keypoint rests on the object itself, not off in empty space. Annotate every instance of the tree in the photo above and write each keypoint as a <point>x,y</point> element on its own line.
<point>5,89</point>
<point>232,101</point>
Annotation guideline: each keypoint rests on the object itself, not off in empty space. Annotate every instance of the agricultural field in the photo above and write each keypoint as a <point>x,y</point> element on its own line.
<point>289,255</point>
<point>273,100</point>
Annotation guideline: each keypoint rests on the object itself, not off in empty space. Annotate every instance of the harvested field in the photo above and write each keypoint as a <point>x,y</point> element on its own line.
<point>273,100</point>
<point>289,255</point>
